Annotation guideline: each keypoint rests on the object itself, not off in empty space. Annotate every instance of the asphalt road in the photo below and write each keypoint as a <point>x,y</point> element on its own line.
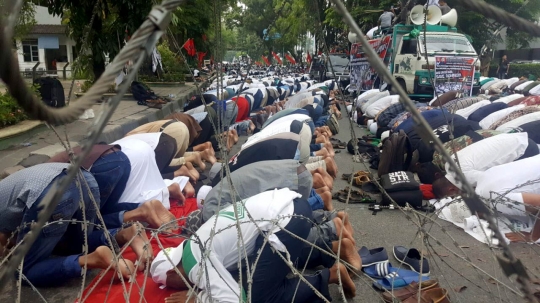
<point>466,281</point>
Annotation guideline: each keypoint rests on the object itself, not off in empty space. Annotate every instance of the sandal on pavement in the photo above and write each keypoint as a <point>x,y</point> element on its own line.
<point>356,174</point>
<point>412,258</point>
<point>361,180</point>
<point>339,145</point>
<point>409,290</point>
<point>372,256</point>
<point>432,295</point>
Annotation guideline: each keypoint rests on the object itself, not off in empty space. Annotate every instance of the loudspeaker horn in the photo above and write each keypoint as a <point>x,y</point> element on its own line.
<point>417,15</point>
<point>450,18</point>
<point>353,38</point>
<point>434,15</point>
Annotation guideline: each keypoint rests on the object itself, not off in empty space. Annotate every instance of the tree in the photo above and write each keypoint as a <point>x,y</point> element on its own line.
<point>26,19</point>
<point>114,21</point>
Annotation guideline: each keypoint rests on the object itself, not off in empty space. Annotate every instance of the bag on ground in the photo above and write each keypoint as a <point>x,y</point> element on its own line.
<point>51,91</point>
<point>396,154</point>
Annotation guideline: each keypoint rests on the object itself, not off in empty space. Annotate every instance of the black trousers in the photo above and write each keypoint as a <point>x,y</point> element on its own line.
<point>270,282</point>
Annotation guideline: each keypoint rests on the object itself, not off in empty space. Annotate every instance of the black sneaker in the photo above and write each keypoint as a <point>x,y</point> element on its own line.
<point>412,258</point>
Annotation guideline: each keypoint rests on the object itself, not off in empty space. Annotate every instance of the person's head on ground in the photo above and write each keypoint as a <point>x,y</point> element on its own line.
<point>166,266</point>
<point>442,3</point>
<point>428,172</point>
<point>443,188</point>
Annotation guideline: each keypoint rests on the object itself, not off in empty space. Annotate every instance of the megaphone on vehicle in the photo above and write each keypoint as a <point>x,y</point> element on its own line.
<point>417,15</point>
<point>353,38</point>
<point>450,18</point>
<point>434,15</point>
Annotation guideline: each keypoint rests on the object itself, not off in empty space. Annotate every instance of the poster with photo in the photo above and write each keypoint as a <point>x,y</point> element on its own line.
<point>454,73</point>
<point>363,76</point>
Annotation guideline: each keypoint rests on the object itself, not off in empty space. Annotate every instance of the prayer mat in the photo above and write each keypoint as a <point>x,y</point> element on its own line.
<point>102,290</point>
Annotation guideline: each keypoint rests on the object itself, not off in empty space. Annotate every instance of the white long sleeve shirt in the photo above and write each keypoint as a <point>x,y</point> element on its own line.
<point>476,158</point>
<point>271,211</point>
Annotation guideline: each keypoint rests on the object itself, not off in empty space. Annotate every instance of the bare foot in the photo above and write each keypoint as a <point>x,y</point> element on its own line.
<point>346,222</point>
<point>189,191</point>
<point>327,200</point>
<point>196,159</point>
<point>208,156</point>
<point>348,253</point>
<point>154,213</point>
<point>203,146</point>
<point>176,193</point>
<point>322,190</point>
<point>318,181</point>
<point>346,282</point>
<point>234,135</point>
<point>323,152</point>
<point>102,258</point>
<point>140,244</point>
<point>186,172</point>
<point>329,180</point>
<point>331,167</point>
<point>330,149</point>
<point>341,231</point>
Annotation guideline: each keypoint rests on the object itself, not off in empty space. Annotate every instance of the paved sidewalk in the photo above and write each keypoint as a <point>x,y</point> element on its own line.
<point>39,144</point>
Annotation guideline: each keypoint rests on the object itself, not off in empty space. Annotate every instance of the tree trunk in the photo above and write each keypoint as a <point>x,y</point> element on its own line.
<point>98,60</point>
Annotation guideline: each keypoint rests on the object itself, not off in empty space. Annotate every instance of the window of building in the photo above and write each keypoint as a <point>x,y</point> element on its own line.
<point>30,50</point>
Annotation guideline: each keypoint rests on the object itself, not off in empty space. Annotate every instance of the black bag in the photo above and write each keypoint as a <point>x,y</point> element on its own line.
<point>141,93</point>
<point>51,91</point>
<point>399,181</point>
<point>393,152</point>
<point>413,197</point>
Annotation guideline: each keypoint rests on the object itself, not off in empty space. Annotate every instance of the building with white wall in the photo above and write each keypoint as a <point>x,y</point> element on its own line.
<point>531,53</point>
<point>47,43</point>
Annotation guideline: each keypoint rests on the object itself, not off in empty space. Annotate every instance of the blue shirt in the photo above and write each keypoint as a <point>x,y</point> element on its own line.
<point>487,110</point>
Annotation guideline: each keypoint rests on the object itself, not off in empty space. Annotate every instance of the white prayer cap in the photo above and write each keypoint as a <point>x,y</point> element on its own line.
<point>373,128</point>
<point>201,195</point>
<point>161,265</point>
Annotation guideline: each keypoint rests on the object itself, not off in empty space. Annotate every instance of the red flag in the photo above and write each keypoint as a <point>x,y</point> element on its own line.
<point>290,58</point>
<point>277,58</point>
<point>266,60</point>
<point>190,47</point>
<point>308,58</point>
<point>200,56</point>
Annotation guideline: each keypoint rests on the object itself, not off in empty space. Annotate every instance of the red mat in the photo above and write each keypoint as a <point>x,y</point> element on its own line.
<point>103,291</point>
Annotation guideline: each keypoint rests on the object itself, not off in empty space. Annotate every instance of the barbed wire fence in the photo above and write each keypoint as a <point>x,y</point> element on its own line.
<point>159,19</point>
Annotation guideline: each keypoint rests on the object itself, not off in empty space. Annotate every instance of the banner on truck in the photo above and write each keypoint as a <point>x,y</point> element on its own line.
<point>454,73</point>
<point>363,76</point>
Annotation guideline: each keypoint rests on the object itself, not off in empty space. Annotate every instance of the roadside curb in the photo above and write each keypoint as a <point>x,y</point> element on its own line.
<point>18,128</point>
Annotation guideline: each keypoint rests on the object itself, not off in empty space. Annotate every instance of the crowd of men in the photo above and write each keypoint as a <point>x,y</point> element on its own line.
<point>269,205</point>
<point>494,137</point>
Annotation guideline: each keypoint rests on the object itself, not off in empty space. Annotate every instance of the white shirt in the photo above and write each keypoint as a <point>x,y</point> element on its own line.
<point>509,99</point>
<point>272,211</point>
<point>467,111</point>
<point>511,179</point>
<point>151,139</point>
<point>523,85</point>
<point>145,181</point>
<point>535,91</point>
<point>370,33</point>
<point>494,117</point>
<point>365,95</point>
<point>196,72</point>
<point>510,125</point>
<point>511,81</point>
<point>487,153</point>
<point>377,106</point>
<point>372,99</point>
